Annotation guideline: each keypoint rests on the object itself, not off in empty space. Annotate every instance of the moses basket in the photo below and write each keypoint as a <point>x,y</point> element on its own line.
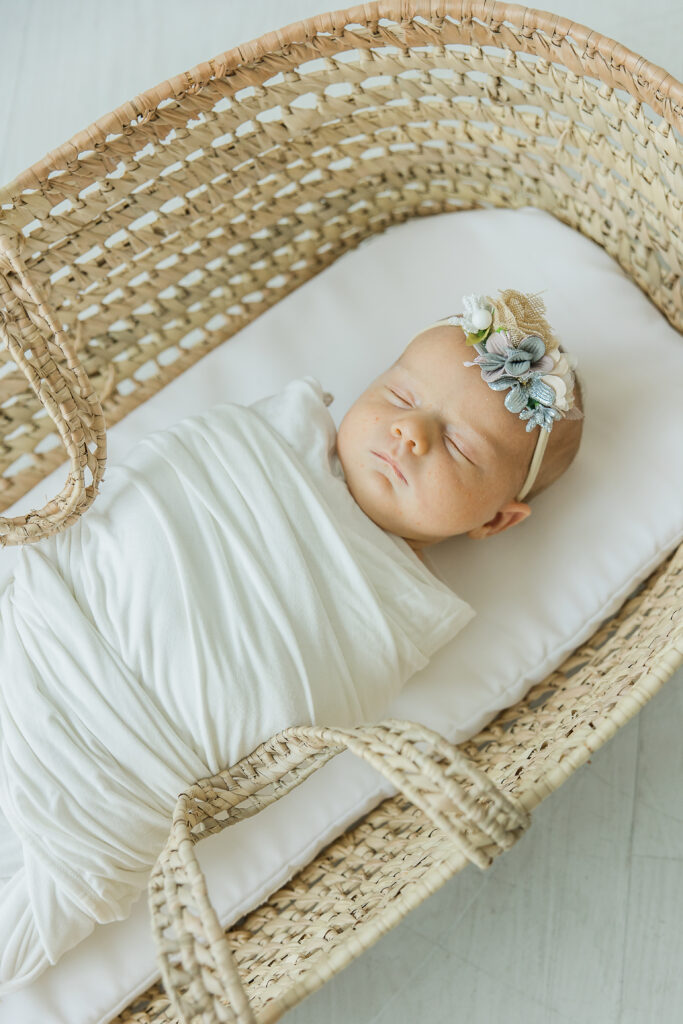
<point>257,193</point>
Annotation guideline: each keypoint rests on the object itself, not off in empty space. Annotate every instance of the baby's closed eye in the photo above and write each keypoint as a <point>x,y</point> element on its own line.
<point>448,441</point>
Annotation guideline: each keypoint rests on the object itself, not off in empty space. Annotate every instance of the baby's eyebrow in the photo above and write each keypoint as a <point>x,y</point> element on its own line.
<point>481,442</point>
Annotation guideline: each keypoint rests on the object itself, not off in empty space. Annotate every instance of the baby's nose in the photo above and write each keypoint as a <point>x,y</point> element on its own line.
<point>414,432</point>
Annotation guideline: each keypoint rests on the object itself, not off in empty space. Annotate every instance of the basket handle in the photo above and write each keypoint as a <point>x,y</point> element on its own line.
<point>42,351</point>
<point>206,973</point>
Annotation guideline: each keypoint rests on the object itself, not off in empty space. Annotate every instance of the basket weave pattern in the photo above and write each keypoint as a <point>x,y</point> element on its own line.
<point>171,223</point>
<point>478,820</point>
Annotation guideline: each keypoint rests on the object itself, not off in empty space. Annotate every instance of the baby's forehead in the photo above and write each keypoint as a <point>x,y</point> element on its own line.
<point>438,356</point>
<point>442,339</point>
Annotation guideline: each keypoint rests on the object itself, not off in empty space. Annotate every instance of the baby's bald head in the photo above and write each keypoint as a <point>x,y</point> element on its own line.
<point>430,451</point>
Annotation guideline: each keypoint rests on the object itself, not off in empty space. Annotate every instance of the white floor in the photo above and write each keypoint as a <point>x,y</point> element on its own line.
<point>582,921</point>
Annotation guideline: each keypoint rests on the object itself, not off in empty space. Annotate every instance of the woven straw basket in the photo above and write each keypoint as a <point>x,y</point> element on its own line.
<point>165,227</point>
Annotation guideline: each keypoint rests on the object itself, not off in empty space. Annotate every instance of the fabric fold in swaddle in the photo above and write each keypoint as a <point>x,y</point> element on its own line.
<point>224,586</point>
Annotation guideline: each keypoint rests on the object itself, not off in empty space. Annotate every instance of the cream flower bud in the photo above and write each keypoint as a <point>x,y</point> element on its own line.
<point>481,318</point>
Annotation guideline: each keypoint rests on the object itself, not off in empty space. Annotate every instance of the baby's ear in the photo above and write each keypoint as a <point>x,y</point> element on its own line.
<point>509,515</point>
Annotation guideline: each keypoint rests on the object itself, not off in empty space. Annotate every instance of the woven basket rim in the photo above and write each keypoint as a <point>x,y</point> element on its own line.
<point>491,12</point>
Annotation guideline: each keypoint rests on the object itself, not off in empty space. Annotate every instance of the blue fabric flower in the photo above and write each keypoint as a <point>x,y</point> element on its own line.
<point>541,415</point>
<point>522,390</point>
<point>499,357</point>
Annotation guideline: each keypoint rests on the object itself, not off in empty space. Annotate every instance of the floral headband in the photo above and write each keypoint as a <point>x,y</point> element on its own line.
<point>517,349</point>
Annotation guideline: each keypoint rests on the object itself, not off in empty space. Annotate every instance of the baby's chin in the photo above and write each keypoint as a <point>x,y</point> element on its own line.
<point>380,517</point>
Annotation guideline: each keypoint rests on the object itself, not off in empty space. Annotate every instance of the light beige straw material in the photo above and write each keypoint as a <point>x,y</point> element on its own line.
<point>168,225</point>
<point>201,203</point>
<point>460,800</point>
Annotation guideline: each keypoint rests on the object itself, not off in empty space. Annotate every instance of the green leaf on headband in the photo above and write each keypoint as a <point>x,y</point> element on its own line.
<point>477,337</point>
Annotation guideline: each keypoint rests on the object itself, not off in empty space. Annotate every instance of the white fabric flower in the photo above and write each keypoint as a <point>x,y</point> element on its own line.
<point>560,388</point>
<point>561,380</point>
<point>561,367</point>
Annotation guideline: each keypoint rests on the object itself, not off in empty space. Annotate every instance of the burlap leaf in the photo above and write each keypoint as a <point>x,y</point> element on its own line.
<point>521,314</point>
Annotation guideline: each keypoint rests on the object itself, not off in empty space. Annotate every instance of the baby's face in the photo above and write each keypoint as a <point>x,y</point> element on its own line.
<point>461,454</point>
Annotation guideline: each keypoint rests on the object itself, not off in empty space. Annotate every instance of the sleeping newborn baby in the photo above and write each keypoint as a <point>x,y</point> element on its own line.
<point>429,452</point>
<point>243,571</point>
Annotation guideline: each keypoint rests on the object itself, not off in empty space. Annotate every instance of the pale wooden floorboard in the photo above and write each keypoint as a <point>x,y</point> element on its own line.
<point>581,921</point>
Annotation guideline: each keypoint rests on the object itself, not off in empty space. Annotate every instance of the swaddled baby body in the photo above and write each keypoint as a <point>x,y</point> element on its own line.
<point>224,586</point>
<point>245,570</point>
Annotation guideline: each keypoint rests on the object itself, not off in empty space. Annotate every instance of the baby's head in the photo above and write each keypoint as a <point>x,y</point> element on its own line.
<point>463,455</point>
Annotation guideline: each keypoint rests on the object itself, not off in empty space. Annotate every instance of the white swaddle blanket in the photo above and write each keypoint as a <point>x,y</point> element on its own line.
<point>224,586</point>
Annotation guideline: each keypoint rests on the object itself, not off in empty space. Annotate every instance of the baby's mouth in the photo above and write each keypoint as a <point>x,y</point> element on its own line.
<point>393,465</point>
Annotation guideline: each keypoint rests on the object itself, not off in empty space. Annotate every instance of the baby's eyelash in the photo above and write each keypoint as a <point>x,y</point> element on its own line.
<point>400,397</point>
